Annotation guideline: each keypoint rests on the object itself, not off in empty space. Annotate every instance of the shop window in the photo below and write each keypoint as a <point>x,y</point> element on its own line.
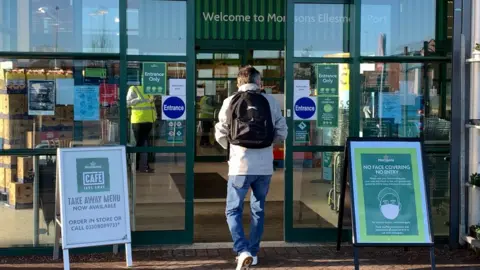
<point>321,104</point>
<point>157,27</point>
<point>399,28</point>
<point>60,26</point>
<point>160,84</point>
<point>316,189</point>
<point>408,100</point>
<point>58,103</point>
<point>321,30</point>
<point>17,196</point>
<point>158,201</point>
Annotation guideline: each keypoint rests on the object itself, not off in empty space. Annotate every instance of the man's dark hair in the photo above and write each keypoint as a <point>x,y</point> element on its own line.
<point>247,74</point>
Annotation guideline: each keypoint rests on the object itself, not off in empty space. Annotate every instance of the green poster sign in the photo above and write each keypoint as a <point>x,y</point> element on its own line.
<point>327,111</point>
<point>327,79</point>
<point>175,132</point>
<point>93,175</point>
<point>154,78</point>
<point>96,73</point>
<point>302,131</point>
<point>390,203</point>
<point>327,166</point>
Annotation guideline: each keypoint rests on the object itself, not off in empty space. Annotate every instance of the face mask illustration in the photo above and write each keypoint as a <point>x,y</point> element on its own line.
<point>390,205</point>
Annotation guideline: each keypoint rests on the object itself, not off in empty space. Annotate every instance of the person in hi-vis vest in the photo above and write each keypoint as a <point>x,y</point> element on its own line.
<point>143,117</point>
<point>206,116</point>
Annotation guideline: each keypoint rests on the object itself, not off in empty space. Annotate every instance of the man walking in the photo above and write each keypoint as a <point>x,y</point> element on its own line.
<point>250,121</point>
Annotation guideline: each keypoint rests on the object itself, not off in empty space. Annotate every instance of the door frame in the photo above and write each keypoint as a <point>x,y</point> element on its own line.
<point>241,47</point>
<point>294,234</point>
<point>155,237</point>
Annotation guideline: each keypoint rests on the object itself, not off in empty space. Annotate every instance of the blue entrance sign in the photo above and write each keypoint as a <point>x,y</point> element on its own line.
<point>305,109</point>
<point>173,108</point>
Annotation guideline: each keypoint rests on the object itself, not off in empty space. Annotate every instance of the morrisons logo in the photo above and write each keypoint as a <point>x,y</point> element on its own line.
<point>93,175</point>
<point>386,159</point>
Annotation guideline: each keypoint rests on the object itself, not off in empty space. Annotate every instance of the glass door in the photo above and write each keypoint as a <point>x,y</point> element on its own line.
<point>319,115</point>
<point>216,80</point>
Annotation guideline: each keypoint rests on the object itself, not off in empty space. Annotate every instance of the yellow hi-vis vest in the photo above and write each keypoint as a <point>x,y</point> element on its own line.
<point>142,112</point>
<point>206,110</point>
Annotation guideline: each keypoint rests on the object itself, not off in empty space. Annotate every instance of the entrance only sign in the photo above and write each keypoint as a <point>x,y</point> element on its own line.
<point>92,206</point>
<point>390,205</point>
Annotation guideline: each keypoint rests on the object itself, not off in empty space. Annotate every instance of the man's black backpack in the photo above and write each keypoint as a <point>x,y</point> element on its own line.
<point>250,120</point>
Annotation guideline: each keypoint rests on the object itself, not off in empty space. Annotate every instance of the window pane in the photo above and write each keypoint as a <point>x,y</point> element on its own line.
<point>58,103</point>
<point>148,90</point>
<point>159,194</point>
<point>394,98</point>
<point>398,27</point>
<point>157,27</point>
<point>60,26</point>
<point>16,201</point>
<point>321,30</point>
<point>438,173</point>
<point>327,86</point>
<point>316,189</point>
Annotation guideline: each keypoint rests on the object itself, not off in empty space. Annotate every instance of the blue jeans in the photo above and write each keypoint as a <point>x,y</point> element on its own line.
<point>238,186</point>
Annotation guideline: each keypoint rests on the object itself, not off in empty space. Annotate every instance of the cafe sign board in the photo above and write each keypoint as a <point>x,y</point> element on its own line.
<point>92,199</point>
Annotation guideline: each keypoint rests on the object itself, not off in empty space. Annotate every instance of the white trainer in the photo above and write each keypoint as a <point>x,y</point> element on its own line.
<point>254,261</point>
<point>244,260</point>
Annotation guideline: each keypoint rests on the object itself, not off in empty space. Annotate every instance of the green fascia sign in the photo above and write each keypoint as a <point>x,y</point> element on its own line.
<point>391,201</point>
<point>240,19</point>
<point>154,76</point>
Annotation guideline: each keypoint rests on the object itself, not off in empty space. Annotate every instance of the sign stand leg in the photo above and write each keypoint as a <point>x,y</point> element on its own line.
<point>57,222</point>
<point>56,245</point>
<point>115,249</point>
<point>356,262</point>
<point>128,254</point>
<point>432,257</point>
<point>66,260</point>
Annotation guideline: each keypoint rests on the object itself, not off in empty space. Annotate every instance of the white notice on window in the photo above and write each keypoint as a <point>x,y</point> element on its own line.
<point>301,88</point>
<point>177,87</point>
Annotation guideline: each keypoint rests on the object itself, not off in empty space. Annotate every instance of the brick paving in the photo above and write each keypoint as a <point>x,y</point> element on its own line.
<point>304,257</point>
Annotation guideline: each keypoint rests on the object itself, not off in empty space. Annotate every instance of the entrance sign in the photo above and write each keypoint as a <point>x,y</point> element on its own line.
<point>304,108</point>
<point>155,78</point>
<point>92,199</point>
<point>173,108</point>
<point>390,205</point>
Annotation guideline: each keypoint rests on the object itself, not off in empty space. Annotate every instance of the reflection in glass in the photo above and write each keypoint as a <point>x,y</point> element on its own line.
<point>394,101</point>
<point>398,27</point>
<point>158,197</point>
<point>48,103</point>
<point>330,86</point>
<point>316,189</point>
<point>321,30</point>
<point>218,65</point>
<point>438,173</point>
<point>60,26</point>
<point>157,27</point>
